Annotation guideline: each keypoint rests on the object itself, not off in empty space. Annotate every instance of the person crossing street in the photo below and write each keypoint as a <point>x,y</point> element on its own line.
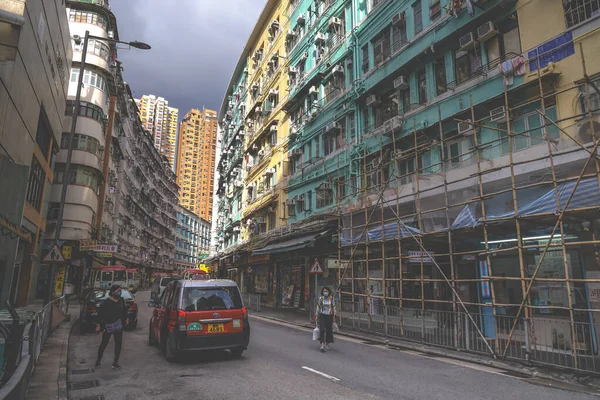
<point>325,316</point>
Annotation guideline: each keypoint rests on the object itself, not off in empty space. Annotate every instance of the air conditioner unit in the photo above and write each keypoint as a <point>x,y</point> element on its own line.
<point>498,115</point>
<point>465,127</point>
<point>290,34</point>
<point>398,19</point>
<point>239,184</point>
<point>297,152</point>
<point>258,109</point>
<point>333,126</point>
<point>486,31</point>
<point>338,70</point>
<point>372,100</point>
<point>273,92</point>
<point>273,128</point>
<point>290,202</point>
<point>313,90</point>
<point>261,220</point>
<point>301,19</point>
<point>320,37</point>
<point>251,185</point>
<point>236,228</point>
<point>304,56</point>
<point>466,41</point>
<point>270,171</point>
<point>401,83</point>
<point>397,122</point>
<point>292,70</point>
<point>334,21</point>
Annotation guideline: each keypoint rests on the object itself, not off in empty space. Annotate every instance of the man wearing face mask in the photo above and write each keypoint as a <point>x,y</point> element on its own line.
<point>325,317</point>
<point>113,316</point>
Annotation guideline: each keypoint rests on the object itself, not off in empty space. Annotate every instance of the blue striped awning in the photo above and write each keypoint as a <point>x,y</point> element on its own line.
<point>388,231</point>
<point>587,194</point>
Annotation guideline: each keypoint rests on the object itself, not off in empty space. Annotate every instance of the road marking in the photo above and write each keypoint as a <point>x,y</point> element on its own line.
<point>323,374</point>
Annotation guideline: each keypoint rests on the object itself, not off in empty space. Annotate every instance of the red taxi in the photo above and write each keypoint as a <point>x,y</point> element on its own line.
<point>199,315</point>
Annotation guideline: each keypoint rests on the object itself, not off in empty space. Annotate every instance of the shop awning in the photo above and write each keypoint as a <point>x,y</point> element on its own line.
<point>388,231</point>
<point>587,194</point>
<point>289,245</point>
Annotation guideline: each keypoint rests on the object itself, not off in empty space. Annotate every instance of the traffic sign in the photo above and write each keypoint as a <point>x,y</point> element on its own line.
<point>316,268</point>
<point>67,252</point>
<point>54,255</point>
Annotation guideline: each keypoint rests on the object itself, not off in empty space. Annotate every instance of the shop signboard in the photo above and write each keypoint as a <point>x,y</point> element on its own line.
<point>59,281</point>
<point>416,256</point>
<point>87,245</point>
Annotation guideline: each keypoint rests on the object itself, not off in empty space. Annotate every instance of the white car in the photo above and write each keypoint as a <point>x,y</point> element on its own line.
<point>159,285</point>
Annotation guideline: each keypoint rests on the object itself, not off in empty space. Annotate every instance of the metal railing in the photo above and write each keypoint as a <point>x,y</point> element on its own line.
<point>252,301</point>
<point>537,340</point>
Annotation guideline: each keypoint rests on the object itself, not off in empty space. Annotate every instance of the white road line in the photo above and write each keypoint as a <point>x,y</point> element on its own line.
<point>333,378</point>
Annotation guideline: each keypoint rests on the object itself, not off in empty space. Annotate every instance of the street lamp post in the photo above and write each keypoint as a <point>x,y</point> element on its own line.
<point>63,194</point>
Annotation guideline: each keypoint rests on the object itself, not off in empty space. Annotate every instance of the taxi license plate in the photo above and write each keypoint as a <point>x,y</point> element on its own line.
<point>215,328</point>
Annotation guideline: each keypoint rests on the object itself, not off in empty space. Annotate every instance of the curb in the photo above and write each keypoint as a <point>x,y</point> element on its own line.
<point>64,357</point>
<point>456,355</point>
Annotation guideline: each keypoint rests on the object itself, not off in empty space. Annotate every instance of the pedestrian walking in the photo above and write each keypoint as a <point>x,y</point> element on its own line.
<point>113,316</point>
<point>325,316</point>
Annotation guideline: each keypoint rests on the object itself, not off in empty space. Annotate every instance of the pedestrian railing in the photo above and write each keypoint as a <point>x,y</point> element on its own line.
<point>252,301</point>
<point>539,339</point>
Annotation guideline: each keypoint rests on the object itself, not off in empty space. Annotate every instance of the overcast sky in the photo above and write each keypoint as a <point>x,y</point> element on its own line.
<point>195,46</point>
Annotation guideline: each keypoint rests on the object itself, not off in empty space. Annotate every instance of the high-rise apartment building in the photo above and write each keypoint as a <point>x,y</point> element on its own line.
<point>160,120</point>
<point>196,150</point>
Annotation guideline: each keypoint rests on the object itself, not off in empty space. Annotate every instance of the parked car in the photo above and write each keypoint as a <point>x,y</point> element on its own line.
<point>159,285</point>
<point>191,316</point>
<point>88,313</point>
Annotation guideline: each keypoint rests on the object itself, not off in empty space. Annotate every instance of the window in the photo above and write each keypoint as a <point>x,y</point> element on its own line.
<point>81,142</point>
<point>579,11</point>
<point>399,38</point>
<point>529,131</point>
<point>405,100</point>
<point>95,47</point>
<point>386,110</point>
<point>35,184</point>
<point>53,209</point>
<point>377,174</point>
<point>87,18</point>
<point>274,139</point>
<point>78,175</point>
<point>85,110</point>
<point>435,10</point>
<point>459,150</point>
<point>349,71</point>
<point>324,197</point>
<point>43,136</point>
<point>418,16</point>
<point>90,78</point>
<point>272,218</point>
<point>422,79</point>
<point>440,76</point>
<point>340,185</point>
<point>351,126</point>
<point>406,170</point>
<point>381,46</point>
<point>467,64</point>
<point>594,97</point>
<point>365,59</point>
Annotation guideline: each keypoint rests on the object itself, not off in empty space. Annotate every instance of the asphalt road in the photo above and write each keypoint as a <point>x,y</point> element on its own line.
<point>284,363</point>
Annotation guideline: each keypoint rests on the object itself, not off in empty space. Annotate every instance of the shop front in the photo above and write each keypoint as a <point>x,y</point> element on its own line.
<point>259,277</point>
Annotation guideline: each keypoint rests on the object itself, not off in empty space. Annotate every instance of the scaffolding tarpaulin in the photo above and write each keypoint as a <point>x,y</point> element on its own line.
<point>288,245</point>
<point>586,195</point>
<point>378,233</point>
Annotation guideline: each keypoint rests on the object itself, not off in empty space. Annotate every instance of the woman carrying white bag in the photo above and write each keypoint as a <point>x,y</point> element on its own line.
<point>325,316</point>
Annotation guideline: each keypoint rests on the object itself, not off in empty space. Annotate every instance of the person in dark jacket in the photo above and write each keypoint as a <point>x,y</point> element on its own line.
<point>113,316</point>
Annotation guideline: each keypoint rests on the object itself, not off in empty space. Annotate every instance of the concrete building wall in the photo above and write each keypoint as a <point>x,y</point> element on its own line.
<point>35,58</point>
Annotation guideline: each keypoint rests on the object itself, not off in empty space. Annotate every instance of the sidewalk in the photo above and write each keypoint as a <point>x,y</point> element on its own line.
<point>545,376</point>
<point>49,379</point>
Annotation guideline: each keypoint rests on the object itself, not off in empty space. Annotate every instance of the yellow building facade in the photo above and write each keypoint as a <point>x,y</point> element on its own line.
<point>267,126</point>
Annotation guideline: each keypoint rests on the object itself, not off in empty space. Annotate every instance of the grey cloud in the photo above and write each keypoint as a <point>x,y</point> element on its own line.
<point>195,46</point>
